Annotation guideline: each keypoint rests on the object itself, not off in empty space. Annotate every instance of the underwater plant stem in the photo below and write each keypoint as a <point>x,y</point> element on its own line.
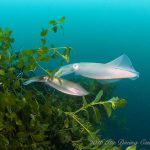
<point>56,51</point>
<point>41,67</point>
<point>57,48</point>
<point>39,93</point>
<point>9,54</point>
<point>77,120</point>
<point>53,26</point>
<point>88,105</point>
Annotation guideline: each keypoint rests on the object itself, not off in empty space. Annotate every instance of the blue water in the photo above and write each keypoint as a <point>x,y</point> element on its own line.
<point>98,31</point>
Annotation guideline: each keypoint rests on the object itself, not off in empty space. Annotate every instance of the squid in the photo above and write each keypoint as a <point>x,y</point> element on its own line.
<point>112,71</point>
<point>59,84</point>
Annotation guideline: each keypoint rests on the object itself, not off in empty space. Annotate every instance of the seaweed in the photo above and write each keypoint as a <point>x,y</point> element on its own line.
<point>36,117</point>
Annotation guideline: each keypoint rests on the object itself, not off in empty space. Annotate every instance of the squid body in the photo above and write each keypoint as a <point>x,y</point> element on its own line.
<point>62,85</point>
<point>112,71</point>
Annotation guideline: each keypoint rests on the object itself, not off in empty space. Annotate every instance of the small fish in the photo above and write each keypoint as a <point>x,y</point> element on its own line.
<point>117,69</point>
<point>59,84</point>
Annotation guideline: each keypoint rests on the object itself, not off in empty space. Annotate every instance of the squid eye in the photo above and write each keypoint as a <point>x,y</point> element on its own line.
<point>75,66</point>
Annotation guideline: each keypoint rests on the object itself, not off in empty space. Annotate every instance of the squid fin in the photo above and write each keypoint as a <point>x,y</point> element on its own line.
<point>109,81</point>
<point>122,62</point>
